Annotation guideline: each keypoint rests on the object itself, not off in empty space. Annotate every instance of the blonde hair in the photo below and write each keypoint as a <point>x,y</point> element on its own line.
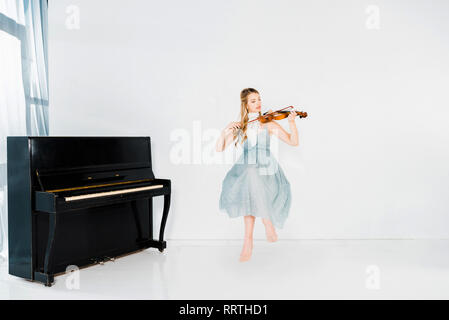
<point>244,113</point>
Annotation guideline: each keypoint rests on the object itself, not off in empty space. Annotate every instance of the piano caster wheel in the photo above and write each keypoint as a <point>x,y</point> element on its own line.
<point>48,284</point>
<point>161,250</point>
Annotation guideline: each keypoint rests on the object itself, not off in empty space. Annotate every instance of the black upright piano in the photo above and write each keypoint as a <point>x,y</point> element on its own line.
<point>79,201</point>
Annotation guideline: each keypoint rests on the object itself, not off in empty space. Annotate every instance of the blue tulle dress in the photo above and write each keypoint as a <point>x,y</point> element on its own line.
<point>256,184</point>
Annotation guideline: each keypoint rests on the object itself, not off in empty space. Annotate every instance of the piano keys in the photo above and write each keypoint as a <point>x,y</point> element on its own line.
<point>109,193</point>
<point>79,200</point>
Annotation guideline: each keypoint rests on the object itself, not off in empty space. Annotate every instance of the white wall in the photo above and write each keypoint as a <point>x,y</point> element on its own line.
<point>373,155</point>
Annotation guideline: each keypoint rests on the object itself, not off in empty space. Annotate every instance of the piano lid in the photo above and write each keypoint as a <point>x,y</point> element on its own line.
<point>60,163</point>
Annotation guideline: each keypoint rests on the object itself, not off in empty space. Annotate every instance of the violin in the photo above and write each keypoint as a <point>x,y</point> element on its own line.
<point>278,115</point>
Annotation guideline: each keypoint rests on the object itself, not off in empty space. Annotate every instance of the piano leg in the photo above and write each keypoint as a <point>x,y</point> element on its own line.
<point>164,221</point>
<point>47,277</point>
<point>159,244</point>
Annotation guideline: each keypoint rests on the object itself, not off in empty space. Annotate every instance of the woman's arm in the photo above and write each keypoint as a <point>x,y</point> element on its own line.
<point>289,138</point>
<point>227,136</point>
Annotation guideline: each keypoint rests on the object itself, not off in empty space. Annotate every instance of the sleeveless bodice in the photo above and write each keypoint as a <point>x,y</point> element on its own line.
<point>257,154</point>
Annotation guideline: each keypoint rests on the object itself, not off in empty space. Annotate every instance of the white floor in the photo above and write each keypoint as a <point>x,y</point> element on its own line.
<point>300,269</point>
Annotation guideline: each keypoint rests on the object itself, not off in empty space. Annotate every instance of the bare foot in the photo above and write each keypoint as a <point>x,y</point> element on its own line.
<point>246,250</point>
<point>270,231</point>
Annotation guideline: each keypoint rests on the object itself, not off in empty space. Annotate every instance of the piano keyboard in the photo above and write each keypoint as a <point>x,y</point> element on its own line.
<point>110,193</point>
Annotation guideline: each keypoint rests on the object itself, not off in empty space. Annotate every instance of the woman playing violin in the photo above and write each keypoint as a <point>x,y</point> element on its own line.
<point>256,186</point>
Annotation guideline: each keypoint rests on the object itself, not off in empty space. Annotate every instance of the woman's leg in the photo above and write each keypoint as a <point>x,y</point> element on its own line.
<point>248,241</point>
<point>270,230</point>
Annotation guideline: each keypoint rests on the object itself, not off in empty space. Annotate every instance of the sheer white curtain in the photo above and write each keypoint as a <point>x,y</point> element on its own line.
<point>23,83</point>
